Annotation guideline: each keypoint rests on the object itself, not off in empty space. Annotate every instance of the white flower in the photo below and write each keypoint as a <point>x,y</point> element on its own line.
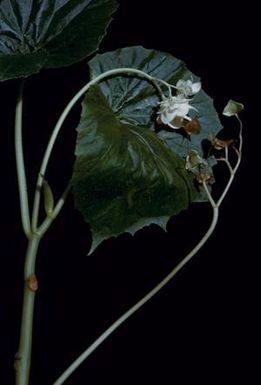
<point>187,87</point>
<point>174,107</point>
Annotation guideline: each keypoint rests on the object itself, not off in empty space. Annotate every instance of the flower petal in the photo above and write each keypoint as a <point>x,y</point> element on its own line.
<point>196,87</point>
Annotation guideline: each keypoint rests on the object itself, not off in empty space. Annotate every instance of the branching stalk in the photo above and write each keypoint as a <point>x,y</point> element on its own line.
<point>215,206</point>
<point>234,169</point>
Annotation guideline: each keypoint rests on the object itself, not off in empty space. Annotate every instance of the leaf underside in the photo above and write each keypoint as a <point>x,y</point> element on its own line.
<point>127,175</point>
<point>36,34</point>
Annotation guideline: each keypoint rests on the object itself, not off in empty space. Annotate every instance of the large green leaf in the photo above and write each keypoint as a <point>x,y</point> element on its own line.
<point>37,34</point>
<point>125,175</point>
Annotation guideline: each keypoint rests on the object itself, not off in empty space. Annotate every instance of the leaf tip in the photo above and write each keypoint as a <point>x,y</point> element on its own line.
<point>96,241</point>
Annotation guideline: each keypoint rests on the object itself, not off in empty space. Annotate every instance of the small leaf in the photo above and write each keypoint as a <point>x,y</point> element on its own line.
<point>49,33</point>
<point>233,108</point>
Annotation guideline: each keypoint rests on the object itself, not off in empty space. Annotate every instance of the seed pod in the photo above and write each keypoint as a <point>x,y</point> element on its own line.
<point>192,127</point>
<point>48,198</point>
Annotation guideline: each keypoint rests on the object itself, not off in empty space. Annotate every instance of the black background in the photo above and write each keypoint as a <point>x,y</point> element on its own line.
<point>201,327</point>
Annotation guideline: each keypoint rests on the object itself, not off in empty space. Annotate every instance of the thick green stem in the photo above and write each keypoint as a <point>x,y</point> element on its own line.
<point>20,163</point>
<point>23,356</point>
<point>31,229</point>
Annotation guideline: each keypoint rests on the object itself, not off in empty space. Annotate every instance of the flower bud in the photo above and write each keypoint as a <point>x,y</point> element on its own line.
<point>192,126</point>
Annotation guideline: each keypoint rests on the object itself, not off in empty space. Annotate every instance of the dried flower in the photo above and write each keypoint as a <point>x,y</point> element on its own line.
<point>220,144</point>
<point>205,177</point>
<point>193,159</point>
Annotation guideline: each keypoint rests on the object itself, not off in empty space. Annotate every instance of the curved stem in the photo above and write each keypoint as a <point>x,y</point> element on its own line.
<point>138,305</point>
<point>60,122</point>
<point>22,186</point>
<point>167,85</point>
<point>240,134</point>
<point>23,356</point>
